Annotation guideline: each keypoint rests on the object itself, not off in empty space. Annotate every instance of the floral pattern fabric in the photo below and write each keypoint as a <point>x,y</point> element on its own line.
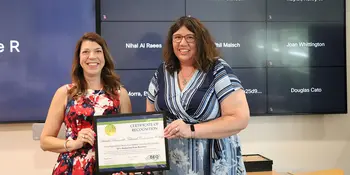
<point>79,115</point>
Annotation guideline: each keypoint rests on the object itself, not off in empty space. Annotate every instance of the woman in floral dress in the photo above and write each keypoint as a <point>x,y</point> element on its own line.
<point>205,103</point>
<point>96,90</point>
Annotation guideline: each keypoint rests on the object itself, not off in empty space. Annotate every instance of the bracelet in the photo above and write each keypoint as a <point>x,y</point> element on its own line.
<point>65,145</point>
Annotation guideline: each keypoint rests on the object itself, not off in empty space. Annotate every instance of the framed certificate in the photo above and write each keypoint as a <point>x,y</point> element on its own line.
<point>131,142</point>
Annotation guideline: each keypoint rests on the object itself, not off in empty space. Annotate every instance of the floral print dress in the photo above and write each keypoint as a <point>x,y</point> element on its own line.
<point>78,115</point>
<point>198,102</point>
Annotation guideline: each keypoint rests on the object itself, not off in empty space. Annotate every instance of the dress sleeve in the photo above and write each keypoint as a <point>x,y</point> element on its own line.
<point>225,81</point>
<point>153,87</point>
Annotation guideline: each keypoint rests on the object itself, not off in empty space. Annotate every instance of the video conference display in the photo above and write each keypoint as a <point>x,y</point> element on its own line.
<point>37,42</point>
<point>289,54</point>
<point>273,46</point>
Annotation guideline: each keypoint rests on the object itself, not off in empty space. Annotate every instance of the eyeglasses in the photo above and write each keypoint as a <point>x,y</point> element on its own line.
<point>189,38</point>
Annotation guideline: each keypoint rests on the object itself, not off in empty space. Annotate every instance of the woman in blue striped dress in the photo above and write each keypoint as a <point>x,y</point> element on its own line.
<point>205,103</point>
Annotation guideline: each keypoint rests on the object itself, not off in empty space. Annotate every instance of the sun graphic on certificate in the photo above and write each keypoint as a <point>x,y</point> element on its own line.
<point>110,130</point>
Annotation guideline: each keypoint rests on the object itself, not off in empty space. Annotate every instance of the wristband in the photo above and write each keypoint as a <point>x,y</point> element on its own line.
<point>192,130</point>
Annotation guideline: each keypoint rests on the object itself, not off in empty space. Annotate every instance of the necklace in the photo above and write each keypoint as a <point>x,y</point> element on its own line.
<point>184,81</point>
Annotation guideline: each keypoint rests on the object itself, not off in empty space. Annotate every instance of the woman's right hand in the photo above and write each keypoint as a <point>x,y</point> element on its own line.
<point>86,135</point>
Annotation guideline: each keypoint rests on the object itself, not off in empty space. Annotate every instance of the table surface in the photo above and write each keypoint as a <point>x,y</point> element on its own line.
<point>264,173</point>
<point>321,172</point>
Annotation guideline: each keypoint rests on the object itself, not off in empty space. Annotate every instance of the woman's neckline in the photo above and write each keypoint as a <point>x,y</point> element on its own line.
<point>95,90</point>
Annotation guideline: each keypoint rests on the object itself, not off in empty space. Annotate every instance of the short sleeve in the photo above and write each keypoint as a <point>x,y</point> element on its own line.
<point>153,87</point>
<point>225,81</point>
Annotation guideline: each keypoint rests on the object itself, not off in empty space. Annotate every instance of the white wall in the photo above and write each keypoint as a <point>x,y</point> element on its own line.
<point>295,143</point>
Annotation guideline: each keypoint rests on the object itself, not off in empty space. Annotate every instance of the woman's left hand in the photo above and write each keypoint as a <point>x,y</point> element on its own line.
<point>177,129</point>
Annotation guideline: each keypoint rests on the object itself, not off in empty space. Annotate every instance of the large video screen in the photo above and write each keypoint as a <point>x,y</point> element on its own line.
<point>37,41</point>
<point>289,54</point>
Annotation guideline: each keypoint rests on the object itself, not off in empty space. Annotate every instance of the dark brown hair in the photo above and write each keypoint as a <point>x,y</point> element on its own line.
<point>110,80</point>
<point>206,48</point>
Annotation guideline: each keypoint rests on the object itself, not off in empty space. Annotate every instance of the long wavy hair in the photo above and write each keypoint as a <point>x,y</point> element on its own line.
<point>110,80</point>
<point>206,54</point>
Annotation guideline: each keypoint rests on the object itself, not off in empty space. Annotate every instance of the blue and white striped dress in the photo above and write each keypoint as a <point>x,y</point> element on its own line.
<point>198,102</point>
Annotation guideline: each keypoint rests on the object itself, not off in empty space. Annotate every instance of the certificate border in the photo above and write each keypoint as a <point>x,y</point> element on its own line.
<point>129,115</point>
